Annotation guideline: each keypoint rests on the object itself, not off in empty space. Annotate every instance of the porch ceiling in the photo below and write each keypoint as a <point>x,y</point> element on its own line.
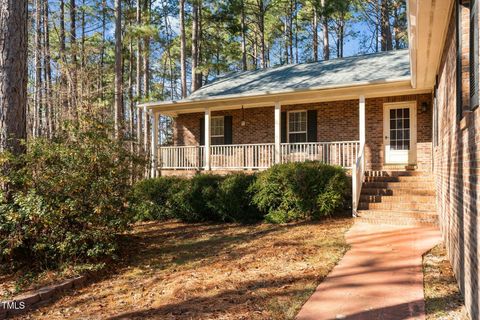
<point>427,29</point>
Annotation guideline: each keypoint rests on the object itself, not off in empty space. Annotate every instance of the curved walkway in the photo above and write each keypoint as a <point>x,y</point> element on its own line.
<point>380,277</point>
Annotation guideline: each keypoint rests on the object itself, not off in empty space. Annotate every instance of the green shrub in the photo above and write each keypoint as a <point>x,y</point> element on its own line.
<point>197,200</point>
<point>205,197</point>
<point>152,197</point>
<point>296,191</point>
<point>68,199</point>
<point>234,201</point>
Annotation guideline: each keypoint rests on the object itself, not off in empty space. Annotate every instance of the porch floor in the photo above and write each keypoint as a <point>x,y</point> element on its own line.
<point>379,278</point>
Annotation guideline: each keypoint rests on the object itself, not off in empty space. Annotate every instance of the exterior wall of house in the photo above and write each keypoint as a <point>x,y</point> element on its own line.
<point>457,169</point>
<point>336,121</point>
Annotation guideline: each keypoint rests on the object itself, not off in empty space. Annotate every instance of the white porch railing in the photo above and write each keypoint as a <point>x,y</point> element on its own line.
<point>358,175</point>
<point>242,156</point>
<point>341,153</point>
<point>183,157</point>
<point>257,156</point>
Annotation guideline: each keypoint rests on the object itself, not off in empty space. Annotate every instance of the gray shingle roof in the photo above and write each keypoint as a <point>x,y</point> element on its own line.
<point>372,68</point>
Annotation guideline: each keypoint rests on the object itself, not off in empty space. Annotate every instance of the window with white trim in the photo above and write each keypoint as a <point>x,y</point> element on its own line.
<point>297,126</point>
<point>217,130</point>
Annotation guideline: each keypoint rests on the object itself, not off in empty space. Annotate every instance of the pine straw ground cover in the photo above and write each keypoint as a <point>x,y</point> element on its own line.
<point>173,270</point>
<point>443,300</point>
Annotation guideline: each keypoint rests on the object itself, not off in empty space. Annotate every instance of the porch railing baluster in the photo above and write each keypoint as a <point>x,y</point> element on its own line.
<point>257,156</point>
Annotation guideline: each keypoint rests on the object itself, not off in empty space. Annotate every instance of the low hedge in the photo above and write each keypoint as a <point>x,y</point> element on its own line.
<point>153,198</point>
<point>283,193</point>
<point>294,191</point>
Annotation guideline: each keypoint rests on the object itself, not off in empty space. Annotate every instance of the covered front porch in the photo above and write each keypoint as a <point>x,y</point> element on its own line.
<point>219,139</point>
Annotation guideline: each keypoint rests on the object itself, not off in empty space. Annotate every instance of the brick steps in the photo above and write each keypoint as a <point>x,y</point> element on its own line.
<point>395,185</point>
<point>389,173</point>
<point>406,217</point>
<point>414,198</point>
<point>409,179</point>
<point>397,192</point>
<point>398,197</point>
<point>397,206</point>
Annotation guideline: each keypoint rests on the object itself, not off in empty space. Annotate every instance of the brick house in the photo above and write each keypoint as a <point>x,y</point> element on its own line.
<point>406,123</point>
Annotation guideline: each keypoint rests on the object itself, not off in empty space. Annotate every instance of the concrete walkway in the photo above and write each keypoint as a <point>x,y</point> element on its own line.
<point>380,277</point>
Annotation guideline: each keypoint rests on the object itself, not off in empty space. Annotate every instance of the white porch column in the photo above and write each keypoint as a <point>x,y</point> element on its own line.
<point>154,146</point>
<point>361,112</point>
<point>139,130</point>
<point>207,139</point>
<point>278,116</point>
<point>146,130</point>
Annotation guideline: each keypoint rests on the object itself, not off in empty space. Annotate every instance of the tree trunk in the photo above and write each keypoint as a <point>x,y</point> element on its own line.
<point>196,44</point>
<point>199,44</point>
<point>195,61</point>
<point>385,26</point>
<point>290,31</point>
<point>102,51</point>
<point>49,112</point>
<point>63,80</point>
<point>73,48</point>
<point>13,75</point>
<point>261,27</point>
<point>326,42</point>
<point>82,42</point>
<point>146,52</point>
<point>341,35</point>
<point>37,103</point>
<point>183,45</point>
<point>244,40</point>
<point>138,81</point>
<point>396,25</point>
<point>130,97</point>
<point>118,70</point>
<point>296,30</point>
<point>315,33</point>
<point>285,39</point>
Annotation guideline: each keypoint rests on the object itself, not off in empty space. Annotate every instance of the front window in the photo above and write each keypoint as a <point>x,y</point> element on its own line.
<point>217,128</point>
<point>297,126</point>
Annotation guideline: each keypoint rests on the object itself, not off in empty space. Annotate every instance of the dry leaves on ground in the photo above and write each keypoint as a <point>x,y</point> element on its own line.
<point>173,270</point>
<point>443,300</point>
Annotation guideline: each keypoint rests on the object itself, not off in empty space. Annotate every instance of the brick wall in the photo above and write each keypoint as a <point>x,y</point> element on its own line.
<point>457,170</point>
<point>336,121</point>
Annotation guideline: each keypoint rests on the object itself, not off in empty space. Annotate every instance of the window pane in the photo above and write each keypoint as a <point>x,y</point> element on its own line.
<point>393,145</point>
<point>217,127</point>
<point>392,114</point>
<point>399,113</point>
<point>393,124</point>
<point>217,140</point>
<point>297,121</point>
<point>406,113</point>
<point>297,137</point>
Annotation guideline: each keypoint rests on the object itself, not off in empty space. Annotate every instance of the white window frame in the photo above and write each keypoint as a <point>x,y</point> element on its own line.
<point>296,132</point>
<point>211,127</point>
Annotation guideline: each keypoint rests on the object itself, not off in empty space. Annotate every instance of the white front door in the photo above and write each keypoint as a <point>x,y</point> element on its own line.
<point>400,133</point>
